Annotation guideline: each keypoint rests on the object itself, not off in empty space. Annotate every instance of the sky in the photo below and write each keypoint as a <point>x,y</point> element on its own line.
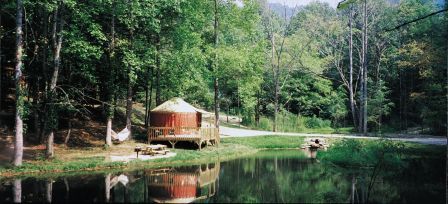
<point>294,3</point>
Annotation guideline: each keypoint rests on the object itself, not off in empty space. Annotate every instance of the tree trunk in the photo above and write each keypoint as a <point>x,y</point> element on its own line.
<point>129,105</point>
<point>146,103</point>
<point>111,91</point>
<point>275,73</point>
<point>257,110</point>
<point>18,139</point>
<point>364,127</point>
<point>216,82</point>
<point>40,130</point>
<point>57,45</point>
<point>361,107</point>
<point>158,70</point>
<point>109,132</point>
<point>69,132</point>
<point>446,166</point>
<point>148,99</point>
<point>228,112</point>
<point>352,101</point>
<point>276,94</point>
<point>1,67</point>
<point>17,191</point>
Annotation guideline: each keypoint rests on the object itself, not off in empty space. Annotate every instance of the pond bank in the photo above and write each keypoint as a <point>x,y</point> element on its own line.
<point>74,161</point>
<point>69,160</point>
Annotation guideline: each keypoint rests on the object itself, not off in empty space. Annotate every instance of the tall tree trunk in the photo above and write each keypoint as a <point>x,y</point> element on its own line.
<point>361,106</point>
<point>446,166</point>
<point>276,95</point>
<point>158,70</point>
<point>352,100</point>
<point>364,127</point>
<point>111,91</point>
<point>146,103</point>
<point>216,82</point>
<point>18,139</point>
<point>257,109</point>
<point>17,191</point>
<point>129,104</point>
<point>275,73</point>
<point>1,67</point>
<point>129,95</point>
<point>57,44</point>
<point>42,125</point>
<point>109,132</point>
<point>130,83</point>
<point>68,132</point>
<point>148,93</point>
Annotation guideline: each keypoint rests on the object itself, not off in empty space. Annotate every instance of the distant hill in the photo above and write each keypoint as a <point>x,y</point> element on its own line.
<point>280,10</point>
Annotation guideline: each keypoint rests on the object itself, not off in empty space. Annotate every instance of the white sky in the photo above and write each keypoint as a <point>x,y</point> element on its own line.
<point>294,3</point>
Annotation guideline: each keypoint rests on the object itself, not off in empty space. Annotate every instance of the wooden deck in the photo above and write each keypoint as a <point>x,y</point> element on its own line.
<point>198,135</point>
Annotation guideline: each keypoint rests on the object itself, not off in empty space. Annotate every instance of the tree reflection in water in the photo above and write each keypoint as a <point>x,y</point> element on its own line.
<point>268,176</point>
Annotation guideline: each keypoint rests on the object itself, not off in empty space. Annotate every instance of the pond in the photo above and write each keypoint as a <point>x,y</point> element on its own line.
<point>268,176</point>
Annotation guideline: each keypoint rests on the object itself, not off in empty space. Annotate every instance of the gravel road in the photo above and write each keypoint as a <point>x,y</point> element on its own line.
<point>237,132</point>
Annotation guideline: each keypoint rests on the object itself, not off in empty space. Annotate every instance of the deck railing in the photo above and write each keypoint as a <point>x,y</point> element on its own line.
<point>199,134</point>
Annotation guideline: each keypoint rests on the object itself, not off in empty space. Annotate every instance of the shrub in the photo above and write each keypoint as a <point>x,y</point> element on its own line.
<point>314,122</point>
<point>265,124</point>
<point>289,122</point>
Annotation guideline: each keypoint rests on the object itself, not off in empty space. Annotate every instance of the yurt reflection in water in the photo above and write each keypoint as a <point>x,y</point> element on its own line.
<point>165,185</point>
<point>183,184</point>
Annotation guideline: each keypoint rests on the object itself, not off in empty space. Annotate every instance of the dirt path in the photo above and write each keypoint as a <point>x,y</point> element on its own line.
<point>236,132</point>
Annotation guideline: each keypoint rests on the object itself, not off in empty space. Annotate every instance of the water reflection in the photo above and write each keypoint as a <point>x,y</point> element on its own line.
<point>182,185</point>
<point>271,176</point>
<point>164,185</point>
<point>310,152</point>
<point>17,190</point>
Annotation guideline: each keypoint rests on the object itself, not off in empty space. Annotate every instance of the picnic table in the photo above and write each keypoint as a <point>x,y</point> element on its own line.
<point>152,150</point>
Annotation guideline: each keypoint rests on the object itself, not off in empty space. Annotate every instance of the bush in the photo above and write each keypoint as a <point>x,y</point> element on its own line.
<point>353,152</point>
<point>265,124</point>
<point>315,122</point>
<point>289,122</point>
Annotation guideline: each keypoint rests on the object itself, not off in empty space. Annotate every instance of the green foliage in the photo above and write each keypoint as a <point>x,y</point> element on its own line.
<point>379,104</point>
<point>358,153</point>
<point>268,142</point>
<point>289,122</point>
<point>314,122</point>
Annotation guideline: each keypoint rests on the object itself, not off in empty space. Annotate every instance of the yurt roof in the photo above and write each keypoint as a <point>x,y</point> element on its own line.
<point>175,105</point>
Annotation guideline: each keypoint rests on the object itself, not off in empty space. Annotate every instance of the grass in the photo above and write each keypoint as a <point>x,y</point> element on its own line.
<point>94,158</point>
<point>266,142</point>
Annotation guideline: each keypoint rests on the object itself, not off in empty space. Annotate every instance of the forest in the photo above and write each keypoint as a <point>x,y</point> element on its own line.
<point>367,65</point>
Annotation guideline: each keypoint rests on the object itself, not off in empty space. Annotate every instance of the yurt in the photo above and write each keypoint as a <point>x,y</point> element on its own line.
<point>176,120</point>
<point>175,113</point>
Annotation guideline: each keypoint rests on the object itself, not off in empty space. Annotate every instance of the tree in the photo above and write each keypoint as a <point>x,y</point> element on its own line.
<point>57,46</point>
<point>110,79</point>
<point>379,105</point>
<point>215,64</point>
<point>19,82</point>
